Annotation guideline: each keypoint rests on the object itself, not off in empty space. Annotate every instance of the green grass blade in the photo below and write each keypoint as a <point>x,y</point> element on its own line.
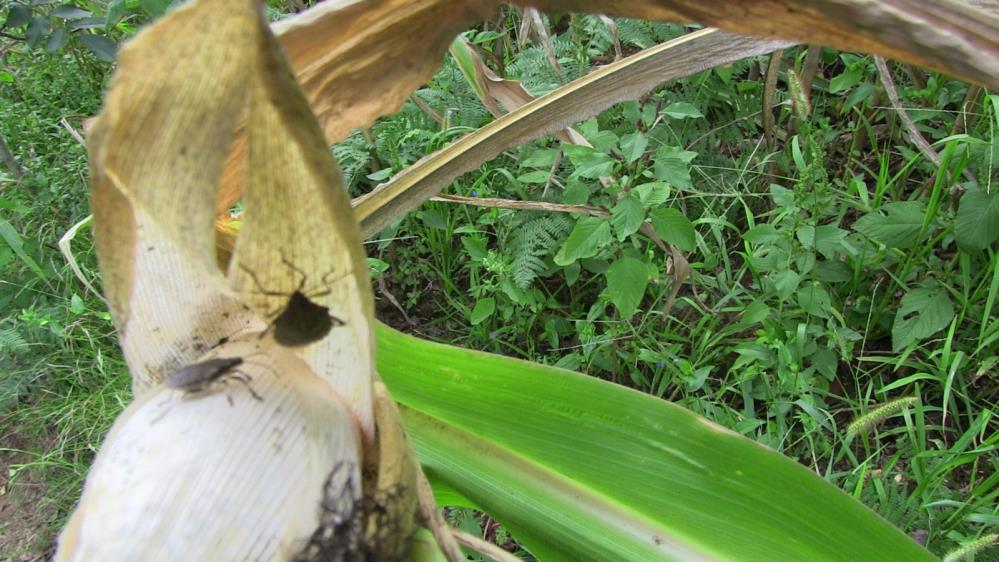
<point>13,240</point>
<point>584,470</point>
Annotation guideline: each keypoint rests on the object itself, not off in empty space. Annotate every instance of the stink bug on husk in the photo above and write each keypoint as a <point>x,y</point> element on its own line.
<point>301,321</point>
<point>201,376</point>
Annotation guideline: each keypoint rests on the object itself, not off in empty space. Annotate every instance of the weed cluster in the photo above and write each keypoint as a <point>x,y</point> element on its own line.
<point>833,275</point>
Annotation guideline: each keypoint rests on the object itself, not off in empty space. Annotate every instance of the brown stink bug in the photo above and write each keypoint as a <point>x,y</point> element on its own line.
<point>201,376</point>
<point>300,321</point>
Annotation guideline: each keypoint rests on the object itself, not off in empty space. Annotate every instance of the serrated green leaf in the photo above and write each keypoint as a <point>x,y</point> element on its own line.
<point>633,146</point>
<point>976,225</point>
<point>380,175</point>
<point>588,236</point>
<point>762,234</point>
<point>627,279</point>
<point>627,216</point>
<point>924,311</point>
<point>682,110</point>
<point>859,95</point>
<point>672,226</point>
<point>588,162</point>
<point>814,299</point>
<point>652,194</point>
<point>484,308</point>
<point>576,192</point>
<point>806,235</point>
<point>672,165</point>
<point>103,48</point>
<point>603,141</point>
<point>829,240</point>
<point>782,196</point>
<point>475,245</point>
<point>900,228</point>
<point>76,305</point>
<point>537,176</point>
<point>540,158</point>
<point>786,282</point>
<point>833,271</point>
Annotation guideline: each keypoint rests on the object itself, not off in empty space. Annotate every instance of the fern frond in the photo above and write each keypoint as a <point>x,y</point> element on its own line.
<point>534,240</point>
<point>11,341</point>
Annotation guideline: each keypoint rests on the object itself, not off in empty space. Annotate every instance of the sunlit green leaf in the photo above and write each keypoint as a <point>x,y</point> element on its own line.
<point>652,194</point>
<point>633,146</point>
<point>672,165</point>
<point>627,279</point>
<point>672,226</point>
<point>627,216</point>
<point>582,470</point>
<point>786,283</point>
<point>682,110</point>
<point>898,228</point>
<point>977,223</point>
<point>588,236</point>
<point>588,162</point>
<point>924,312</point>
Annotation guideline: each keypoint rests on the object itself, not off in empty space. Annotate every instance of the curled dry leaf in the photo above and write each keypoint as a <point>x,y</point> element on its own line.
<point>220,475</point>
<point>295,299</point>
<point>625,79</point>
<point>490,88</point>
<point>299,235</point>
<point>343,50</point>
<point>157,152</point>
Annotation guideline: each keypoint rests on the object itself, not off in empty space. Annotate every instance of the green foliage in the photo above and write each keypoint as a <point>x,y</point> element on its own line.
<point>976,225</point>
<point>838,275</point>
<point>94,27</point>
<point>533,242</point>
<point>828,277</point>
<point>899,227</point>
<point>589,236</point>
<point>627,279</point>
<point>924,312</point>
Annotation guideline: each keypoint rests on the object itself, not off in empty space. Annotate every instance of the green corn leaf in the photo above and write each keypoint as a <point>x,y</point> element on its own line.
<point>583,470</point>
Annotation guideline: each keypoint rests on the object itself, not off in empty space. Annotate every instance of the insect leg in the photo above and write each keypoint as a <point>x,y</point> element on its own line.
<point>245,379</point>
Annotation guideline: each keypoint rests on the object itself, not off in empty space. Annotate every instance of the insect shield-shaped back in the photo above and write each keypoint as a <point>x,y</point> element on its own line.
<point>300,321</point>
<point>303,322</point>
<point>199,376</point>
